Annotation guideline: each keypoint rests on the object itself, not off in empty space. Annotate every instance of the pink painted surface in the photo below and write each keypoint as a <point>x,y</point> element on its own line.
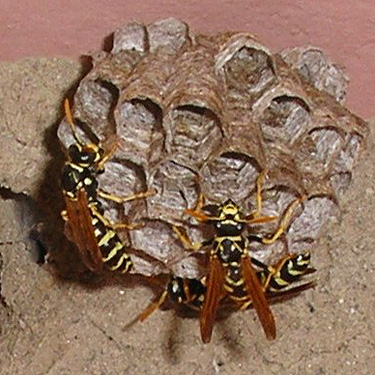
<point>345,30</point>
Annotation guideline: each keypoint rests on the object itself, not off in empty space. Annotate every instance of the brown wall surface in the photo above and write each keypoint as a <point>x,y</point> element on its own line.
<point>345,30</point>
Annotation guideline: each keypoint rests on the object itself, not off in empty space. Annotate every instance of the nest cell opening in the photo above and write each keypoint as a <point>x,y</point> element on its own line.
<point>139,124</point>
<point>176,190</point>
<point>95,102</point>
<point>249,70</point>
<point>231,175</point>
<point>318,151</point>
<point>195,132</point>
<point>286,119</point>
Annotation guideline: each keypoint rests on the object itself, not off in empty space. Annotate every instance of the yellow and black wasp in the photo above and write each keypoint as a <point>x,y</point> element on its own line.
<point>277,282</point>
<point>85,224</point>
<point>231,274</point>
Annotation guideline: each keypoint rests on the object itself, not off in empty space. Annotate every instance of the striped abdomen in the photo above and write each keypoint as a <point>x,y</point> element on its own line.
<point>234,284</point>
<point>191,291</point>
<point>113,251</point>
<point>289,271</point>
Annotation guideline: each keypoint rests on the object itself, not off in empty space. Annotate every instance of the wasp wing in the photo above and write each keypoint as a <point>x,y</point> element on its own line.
<point>80,230</point>
<point>214,293</point>
<point>258,297</point>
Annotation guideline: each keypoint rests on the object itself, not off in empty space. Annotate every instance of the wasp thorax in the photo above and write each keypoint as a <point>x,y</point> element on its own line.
<point>229,251</point>
<point>228,227</point>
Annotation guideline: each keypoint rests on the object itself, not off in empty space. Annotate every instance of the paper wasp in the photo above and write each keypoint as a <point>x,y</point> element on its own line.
<point>85,224</point>
<point>230,273</point>
<point>275,280</point>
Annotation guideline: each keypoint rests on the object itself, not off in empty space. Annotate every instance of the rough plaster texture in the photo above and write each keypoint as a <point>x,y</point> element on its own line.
<point>29,105</point>
<point>344,30</point>
<point>51,325</point>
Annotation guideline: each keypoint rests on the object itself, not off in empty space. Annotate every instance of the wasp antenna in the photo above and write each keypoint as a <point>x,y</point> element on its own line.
<point>198,215</point>
<point>69,118</point>
<point>108,155</point>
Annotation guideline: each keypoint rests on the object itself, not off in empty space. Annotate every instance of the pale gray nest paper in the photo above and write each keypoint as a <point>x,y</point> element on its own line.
<point>226,108</point>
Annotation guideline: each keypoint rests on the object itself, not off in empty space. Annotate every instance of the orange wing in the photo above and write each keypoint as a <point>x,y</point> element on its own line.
<point>258,297</point>
<point>214,292</point>
<point>79,229</point>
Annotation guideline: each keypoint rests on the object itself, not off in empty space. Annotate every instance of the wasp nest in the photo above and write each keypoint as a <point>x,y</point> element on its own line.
<point>223,107</point>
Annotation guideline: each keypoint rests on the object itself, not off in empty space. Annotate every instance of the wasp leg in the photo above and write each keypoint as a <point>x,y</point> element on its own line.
<point>107,156</point>
<point>117,199</point>
<point>154,306</point>
<point>115,226</point>
<point>255,216</point>
<point>258,185</point>
<point>284,223</point>
<point>197,211</point>
<point>185,239</point>
<point>274,272</point>
<point>200,199</point>
<point>127,226</point>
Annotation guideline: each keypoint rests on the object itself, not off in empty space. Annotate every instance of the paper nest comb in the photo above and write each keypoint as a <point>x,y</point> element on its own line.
<point>227,108</point>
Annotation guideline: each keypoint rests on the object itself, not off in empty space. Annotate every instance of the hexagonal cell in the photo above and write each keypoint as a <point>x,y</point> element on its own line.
<point>94,104</point>
<point>65,134</point>
<point>132,36</point>
<point>249,71</point>
<point>285,120</point>
<point>318,151</point>
<point>277,196</point>
<point>94,122</point>
<point>176,189</point>
<point>317,69</point>
<point>114,69</point>
<point>123,179</point>
<point>139,126</point>
<point>308,227</point>
<point>343,167</point>
<point>168,33</point>
<point>281,202</point>
<point>192,266</point>
<point>157,241</point>
<point>231,175</point>
<point>194,133</point>
<point>246,67</point>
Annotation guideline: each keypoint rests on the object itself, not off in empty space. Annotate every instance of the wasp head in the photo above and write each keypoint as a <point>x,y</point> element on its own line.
<point>85,156</point>
<point>229,221</point>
